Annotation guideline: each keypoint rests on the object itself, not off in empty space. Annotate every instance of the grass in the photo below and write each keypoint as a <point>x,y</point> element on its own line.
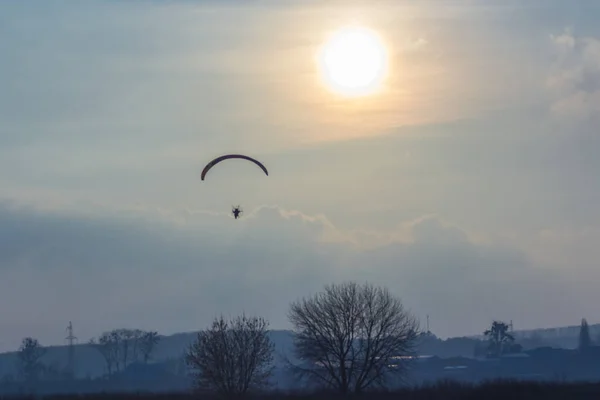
<point>444,390</point>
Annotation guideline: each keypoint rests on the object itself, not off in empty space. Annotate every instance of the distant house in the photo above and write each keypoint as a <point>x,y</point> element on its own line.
<point>515,355</point>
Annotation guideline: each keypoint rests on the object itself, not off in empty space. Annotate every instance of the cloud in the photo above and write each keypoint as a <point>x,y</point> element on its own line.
<point>575,78</point>
<point>176,271</point>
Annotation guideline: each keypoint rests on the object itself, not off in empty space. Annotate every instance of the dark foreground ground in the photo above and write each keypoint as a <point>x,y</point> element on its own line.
<point>446,390</point>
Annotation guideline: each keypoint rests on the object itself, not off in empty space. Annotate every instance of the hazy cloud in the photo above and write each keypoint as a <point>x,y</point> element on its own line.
<point>576,78</point>
<point>108,269</point>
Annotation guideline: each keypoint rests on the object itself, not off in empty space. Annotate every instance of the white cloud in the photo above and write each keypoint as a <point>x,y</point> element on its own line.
<point>575,78</point>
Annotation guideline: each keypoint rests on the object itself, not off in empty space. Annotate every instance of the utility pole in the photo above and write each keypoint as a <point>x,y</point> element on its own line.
<point>71,360</point>
<point>428,331</point>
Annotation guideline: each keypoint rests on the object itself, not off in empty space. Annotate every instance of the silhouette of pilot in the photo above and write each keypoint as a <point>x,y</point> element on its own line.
<point>236,212</point>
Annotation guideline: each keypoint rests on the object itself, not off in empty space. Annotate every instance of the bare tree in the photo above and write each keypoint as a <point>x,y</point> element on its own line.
<point>125,338</point>
<point>147,342</point>
<point>121,347</point>
<point>115,340</point>
<point>351,337</point>
<point>137,335</point>
<point>109,348</point>
<point>232,357</point>
<point>30,352</point>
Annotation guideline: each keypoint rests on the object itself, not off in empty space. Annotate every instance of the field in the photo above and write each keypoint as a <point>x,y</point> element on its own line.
<point>503,390</point>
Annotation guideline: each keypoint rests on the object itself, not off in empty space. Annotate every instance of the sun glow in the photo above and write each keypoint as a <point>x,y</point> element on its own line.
<point>353,61</point>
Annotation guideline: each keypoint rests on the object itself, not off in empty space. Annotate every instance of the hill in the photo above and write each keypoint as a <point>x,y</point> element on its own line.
<point>90,363</point>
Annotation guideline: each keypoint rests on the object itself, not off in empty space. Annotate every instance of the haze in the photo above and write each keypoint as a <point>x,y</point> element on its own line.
<point>467,184</point>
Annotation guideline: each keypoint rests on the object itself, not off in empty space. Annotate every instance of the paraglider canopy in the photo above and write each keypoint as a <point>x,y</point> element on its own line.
<point>230,156</point>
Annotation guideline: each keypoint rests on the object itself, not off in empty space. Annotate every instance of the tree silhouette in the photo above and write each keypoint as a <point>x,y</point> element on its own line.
<point>147,343</point>
<point>499,338</point>
<point>232,357</point>
<point>29,355</point>
<point>351,338</point>
<point>585,342</point>
<point>121,347</point>
<point>109,348</point>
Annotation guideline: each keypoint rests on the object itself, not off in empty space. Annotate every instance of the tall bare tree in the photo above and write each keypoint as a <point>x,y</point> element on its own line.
<point>352,337</point>
<point>137,335</point>
<point>147,343</point>
<point>29,355</point>
<point>125,338</point>
<point>232,357</point>
<point>116,344</point>
<point>107,346</point>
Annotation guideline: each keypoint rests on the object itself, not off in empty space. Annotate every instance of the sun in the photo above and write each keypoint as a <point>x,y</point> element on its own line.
<point>353,61</point>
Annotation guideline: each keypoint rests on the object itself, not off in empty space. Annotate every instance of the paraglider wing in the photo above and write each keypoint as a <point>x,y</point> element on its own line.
<point>228,156</point>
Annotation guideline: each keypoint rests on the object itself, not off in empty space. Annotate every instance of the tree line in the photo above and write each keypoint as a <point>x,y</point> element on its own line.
<point>119,348</point>
<point>122,347</point>
<point>349,338</point>
<point>501,341</point>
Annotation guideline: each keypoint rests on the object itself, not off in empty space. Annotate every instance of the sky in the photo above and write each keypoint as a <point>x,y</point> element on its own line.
<point>467,185</point>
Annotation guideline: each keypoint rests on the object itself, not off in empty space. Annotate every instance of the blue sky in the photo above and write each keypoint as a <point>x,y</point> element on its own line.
<point>468,186</point>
